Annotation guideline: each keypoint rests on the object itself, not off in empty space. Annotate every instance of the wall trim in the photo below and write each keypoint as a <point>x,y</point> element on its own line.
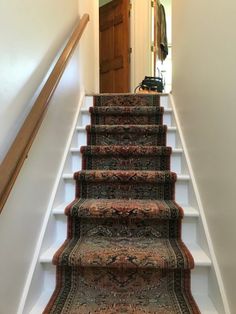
<point>37,251</point>
<point>201,209</point>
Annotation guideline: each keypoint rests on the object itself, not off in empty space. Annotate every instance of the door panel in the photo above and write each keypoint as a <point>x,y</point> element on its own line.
<point>114,47</point>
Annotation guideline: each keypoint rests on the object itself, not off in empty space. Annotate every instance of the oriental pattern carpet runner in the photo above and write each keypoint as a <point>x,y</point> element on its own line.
<point>123,252</point>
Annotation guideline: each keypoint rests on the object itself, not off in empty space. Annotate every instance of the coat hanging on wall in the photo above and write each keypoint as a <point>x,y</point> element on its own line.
<point>162,42</point>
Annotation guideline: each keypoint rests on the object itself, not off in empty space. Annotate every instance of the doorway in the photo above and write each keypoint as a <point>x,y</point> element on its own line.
<point>114,42</point>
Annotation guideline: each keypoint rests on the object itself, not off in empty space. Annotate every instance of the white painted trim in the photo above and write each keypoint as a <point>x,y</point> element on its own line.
<point>48,211</point>
<point>201,209</point>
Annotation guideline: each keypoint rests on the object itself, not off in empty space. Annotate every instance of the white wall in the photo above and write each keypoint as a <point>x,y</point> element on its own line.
<point>204,70</point>
<point>89,53</point>
<point>31,34</point>
<point>23,214</point>
<point>141,63</point>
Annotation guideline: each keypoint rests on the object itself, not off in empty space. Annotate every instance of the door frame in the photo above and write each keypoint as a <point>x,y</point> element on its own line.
<point>141,56</point>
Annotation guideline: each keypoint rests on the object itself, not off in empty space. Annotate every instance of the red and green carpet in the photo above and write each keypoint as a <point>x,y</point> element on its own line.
<point>123,252</point>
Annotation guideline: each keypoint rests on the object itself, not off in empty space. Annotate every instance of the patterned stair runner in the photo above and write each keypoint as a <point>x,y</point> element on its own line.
<point>123,252</point>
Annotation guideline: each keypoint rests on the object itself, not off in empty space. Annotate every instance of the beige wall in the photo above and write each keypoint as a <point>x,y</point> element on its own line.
<point>204,71</point>
<point>31,34</point>
<point>141,63</point>
<point>89,52</point>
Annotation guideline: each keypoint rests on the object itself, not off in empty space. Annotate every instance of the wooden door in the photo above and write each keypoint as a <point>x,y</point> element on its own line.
<point>114,29</point>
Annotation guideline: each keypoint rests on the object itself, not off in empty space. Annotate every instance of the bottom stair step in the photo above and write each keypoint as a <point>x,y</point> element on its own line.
<point>102,290</point>
<point>204,303</point>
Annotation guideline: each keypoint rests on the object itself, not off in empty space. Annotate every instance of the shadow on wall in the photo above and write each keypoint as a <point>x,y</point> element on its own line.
<point>14,115</point>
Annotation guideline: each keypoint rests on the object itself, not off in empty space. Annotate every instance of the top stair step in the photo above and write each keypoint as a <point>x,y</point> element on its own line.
<point>127,100</point>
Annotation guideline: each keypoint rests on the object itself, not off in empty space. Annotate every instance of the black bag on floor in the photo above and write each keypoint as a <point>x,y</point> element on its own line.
<point>151,83</point>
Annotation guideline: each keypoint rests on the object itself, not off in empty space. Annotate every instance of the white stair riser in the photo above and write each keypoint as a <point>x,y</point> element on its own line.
<point>189,227</point>
<point>171,139</point>
<point>199,278</point>
<point>181,191</point>
<point>168,119</point>
<point>75,162</point>
<point>84,118</point>
<point>89,101</point>
<point>176,163</point>
<point>165,102</point>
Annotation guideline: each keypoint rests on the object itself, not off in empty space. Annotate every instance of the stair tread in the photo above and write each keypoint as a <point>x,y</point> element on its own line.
<point>86,110</point>
<point>127,100</point>
<point>180,177</point>
<point>118,208</point>
<point>126,150</point>
<point>98,250</point>
<point>129,176</point>
<point>188,210</point>
<point>201,259</point>
<point>119,110</point>
<point>174,150</point>
<point>204,302</point>
<point>128,129</point>
<point>169,128</point>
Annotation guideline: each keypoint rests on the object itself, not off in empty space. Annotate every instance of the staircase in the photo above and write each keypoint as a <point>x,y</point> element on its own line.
<point>203,280</point>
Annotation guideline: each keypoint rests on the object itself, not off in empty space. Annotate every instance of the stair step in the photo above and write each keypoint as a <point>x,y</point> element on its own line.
<point>181,188</point>
<point>116,209</point>
<point>86,110</point>
<point>132,184</point>
<point>126,100</point>
<point>170,128</point>
<point>204,302</point>
<point>180,177</point>
<point>124,252</point>
<point>141,115</point>
<point>126,157</point>
<point>189,226</point>
<point>176,160</point>
<point>126,151</point>
<point>200,257</point>
<point>174,150</point>
<point>171,136</point>
<point>146,135</point>
<point>189,211</point>
<point>164,100</point>
<point>85,117</point>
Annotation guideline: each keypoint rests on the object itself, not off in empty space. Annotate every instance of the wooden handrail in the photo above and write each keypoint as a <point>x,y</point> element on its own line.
<point>14,159</point>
